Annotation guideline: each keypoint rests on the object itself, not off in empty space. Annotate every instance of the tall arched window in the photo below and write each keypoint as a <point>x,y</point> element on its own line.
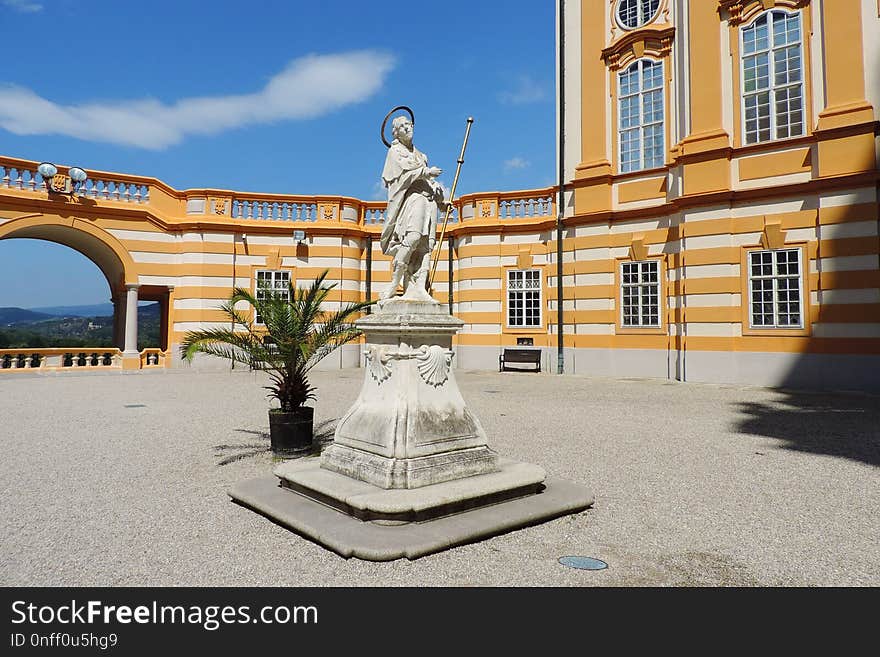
<point>641,114</point>
<point>773,79</point>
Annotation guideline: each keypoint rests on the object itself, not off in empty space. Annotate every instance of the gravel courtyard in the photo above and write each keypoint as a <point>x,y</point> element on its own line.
<point>121,479</point>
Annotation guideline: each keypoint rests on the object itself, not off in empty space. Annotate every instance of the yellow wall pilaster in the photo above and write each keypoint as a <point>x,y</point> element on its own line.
<point>705,67</point>
<point>593,196</point>
<point>844,64</point>
<point>706,149</point>
<point>845,127</point>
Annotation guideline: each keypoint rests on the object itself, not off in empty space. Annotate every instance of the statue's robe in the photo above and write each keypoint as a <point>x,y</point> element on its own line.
<point>412,199</point>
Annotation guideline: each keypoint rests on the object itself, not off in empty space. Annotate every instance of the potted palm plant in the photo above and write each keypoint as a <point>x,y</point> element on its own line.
<point>292,336</point>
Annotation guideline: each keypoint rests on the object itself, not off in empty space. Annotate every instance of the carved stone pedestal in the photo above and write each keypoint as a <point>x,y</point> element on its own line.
<point>410,426</point>
<point>409,472</point>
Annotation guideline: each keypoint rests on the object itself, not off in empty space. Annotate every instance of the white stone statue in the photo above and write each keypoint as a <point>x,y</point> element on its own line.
<point>414,198</point>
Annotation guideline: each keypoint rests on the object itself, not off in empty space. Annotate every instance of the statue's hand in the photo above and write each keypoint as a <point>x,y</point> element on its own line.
<point>431,243</point>
<point>433,172</point>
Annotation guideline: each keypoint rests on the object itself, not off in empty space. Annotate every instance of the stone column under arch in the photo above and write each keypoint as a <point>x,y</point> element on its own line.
<point>130,353</point>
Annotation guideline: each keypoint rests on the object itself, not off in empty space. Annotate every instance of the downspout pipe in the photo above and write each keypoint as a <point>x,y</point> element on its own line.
<point>560,204</point>
<point>234,267</point>
<point>450,297</point>
<point>369,280</point>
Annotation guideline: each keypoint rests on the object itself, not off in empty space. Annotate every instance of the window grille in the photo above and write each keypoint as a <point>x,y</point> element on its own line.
<point>775,282</point>
<point>772,74</point>
<point>641,116</point>
<point>640,294</point>
<point>635,13</point>
<point>523,297</point>
<point>271,282</point>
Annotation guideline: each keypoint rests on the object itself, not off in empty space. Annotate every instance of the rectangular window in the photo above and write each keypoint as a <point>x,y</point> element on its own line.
<point>524,297</point>
<point>775,284</point>
<point>772,74</point>
<point>270,282</point>
<point>640,294</point>
<point>641,116</point>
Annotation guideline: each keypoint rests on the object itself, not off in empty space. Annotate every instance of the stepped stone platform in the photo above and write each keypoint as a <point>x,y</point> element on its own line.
<point>357,519</point>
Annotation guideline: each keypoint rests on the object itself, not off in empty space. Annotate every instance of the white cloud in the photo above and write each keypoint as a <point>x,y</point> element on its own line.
<point>308,87</point>
<point>380,192</point>
<point>515,163</point>
<point>23,6</point>
<point>444,187</point>
<point>527,90</point>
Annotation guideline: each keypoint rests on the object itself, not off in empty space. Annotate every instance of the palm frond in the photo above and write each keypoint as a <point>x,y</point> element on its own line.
<point>295,335</point>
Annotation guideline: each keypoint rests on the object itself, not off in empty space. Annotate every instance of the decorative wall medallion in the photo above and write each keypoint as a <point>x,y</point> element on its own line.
<point>486,208</point>
<point>434,362</point>
<point>328,213</point>
<point>219,206</point>
<point>377,362</point>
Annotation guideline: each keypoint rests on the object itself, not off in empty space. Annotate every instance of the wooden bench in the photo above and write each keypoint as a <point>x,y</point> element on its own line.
<point>524,356</point>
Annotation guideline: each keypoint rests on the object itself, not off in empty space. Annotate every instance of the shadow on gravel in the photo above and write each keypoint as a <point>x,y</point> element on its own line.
<point>834,425</point>
<point>694,568</point>
<point>322,436</point>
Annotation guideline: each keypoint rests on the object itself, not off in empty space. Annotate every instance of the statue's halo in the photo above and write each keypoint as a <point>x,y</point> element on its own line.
<point>412,118</point>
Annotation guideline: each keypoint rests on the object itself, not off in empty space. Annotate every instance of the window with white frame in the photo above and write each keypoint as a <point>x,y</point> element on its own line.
<point>271,282</point>
<point>775,289</point>
<point>635,13</point>
<point>641,115</point>
<point>640,294</point>
<point>523,297</point>
<point>773,77</point>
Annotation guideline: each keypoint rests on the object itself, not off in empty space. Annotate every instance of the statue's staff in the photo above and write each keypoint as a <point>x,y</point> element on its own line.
<point>449,207</point>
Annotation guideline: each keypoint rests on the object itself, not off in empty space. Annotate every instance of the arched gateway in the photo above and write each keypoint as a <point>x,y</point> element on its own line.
<point>114,261</point>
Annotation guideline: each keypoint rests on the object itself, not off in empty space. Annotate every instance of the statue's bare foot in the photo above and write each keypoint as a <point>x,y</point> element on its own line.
<point>388,293</point>
<point>417,293</point>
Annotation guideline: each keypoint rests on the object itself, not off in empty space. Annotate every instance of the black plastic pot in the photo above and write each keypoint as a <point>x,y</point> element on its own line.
<point>291,433</point>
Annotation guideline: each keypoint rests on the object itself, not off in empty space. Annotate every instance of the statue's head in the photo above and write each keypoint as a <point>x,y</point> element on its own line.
<point>402,129</point>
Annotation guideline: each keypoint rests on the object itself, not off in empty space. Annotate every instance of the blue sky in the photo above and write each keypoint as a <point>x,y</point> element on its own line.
<point>267,96</point>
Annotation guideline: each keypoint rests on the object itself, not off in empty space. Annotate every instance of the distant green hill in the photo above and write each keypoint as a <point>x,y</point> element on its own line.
<point>15,315</point>
<point>93,310</point>
<point>35,330</point>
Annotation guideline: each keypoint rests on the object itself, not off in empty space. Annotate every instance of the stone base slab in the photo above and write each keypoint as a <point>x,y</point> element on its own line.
<point>368,502</point>
<point>416,472</point>
<point>379,541</point>
<point>307,512</point>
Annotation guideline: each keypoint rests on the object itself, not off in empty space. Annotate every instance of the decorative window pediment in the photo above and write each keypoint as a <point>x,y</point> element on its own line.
<point>652,40</point>
<point>741,11</point>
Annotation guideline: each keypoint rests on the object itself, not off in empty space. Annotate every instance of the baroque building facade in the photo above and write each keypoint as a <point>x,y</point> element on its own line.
<point>719,216</point>
<point>721,160</point>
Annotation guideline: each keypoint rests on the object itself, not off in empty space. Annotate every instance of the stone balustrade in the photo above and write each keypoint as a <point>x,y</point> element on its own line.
<point>536,204</point>
<point>519,207</point>
<point>274,210</point>
<point>21,176</point>
<point>114,190</point>
<point>153,358</point>
<point>374,213</point>
<point>73,358</point>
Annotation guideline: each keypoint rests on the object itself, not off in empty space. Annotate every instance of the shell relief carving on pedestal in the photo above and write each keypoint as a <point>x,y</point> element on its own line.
<point>434,362</point>
<point>377,362</point>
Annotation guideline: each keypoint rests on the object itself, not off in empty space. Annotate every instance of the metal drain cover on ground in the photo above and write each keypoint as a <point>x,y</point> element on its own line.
<point>583,563</point>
